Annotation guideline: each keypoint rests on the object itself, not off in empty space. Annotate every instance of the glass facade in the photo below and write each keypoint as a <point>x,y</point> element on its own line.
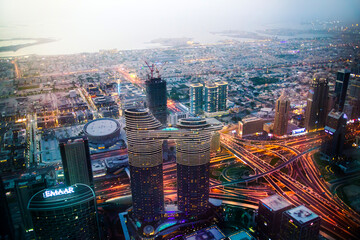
<point>67,216</point>
<point>196,98</point>
<point>317,103</point>
<point>156,98</point>
<point>75,156</point>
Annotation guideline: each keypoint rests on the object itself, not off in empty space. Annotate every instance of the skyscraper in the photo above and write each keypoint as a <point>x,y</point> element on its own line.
<point>299,223</point>
<point>65,213</point>
<point>146,167</point>
<point>270,212</point>
<point>335,130</point>
<point>354,98</point>
<point>211,96</point>
<point>196,98</point>
<point>341,86</point>
<point>25,189</point>
<point>317,103</point>
<point>282,109</point>
<point>156,98</point>
<point>6,224</point>
<point>193,165</point>
<point>222,95</point>
<point>75,156</point>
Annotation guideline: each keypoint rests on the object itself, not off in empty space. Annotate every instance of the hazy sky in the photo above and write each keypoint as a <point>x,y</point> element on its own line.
<point>129,20</point>
<point>210,14</point>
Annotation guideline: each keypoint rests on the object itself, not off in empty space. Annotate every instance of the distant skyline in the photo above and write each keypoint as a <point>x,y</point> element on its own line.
<point>83,24</point>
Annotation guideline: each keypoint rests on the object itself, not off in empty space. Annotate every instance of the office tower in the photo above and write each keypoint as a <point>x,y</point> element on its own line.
<point>269,216</point>
<point>250,125</point>
<point>156,98</point>
<point>354,98</point>
<point>6,224</point>
<point>222,95</point>
<point>282,108</point>
<point>193,163</point>
<point>211,98</point>
<point>341,86</point>
<point>65,213</point>
<point>335,130</point>
<point>196,98</point>
<point>75,156</point>
<point>25,189</point>
<point>299,223</point>
<point>317,103</point>
<point>145,160</point>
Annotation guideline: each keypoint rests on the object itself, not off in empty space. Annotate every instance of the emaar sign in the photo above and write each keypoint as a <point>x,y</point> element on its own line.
<point>58,192</point>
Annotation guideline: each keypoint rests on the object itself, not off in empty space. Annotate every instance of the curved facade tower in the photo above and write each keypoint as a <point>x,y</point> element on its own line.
<point>193,162</point>
<point>145,137</point>
<point>145,160</point>
<point>65,213</point>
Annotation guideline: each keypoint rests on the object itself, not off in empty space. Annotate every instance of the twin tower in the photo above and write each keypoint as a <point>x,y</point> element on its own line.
<point>145,136</point>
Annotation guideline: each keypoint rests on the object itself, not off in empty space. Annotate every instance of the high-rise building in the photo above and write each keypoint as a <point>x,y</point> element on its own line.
<point>193,165</point>
<point>156,98</point>
<point>269,216</point>
<point>341,86</point>
<point>222,95</point>
<point>354,98</point>
<point>282,109</point>
<point>299,223</point>
<point>75,156</point>
<point>146,167</point>
<point>196,98</point>
<point>335,130</point>
<point>65,213</point>
<point>317,104</point>
<point>211,96</point>
<point>25,189</point>
<point>250,125</point>
<point>7,228</point>
<point>145,137</point>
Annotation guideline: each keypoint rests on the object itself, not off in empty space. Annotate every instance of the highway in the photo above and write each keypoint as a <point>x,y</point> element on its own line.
<point>337,219</point>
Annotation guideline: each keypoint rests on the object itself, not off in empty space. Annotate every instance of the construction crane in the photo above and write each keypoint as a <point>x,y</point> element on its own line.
<point>154,68</point>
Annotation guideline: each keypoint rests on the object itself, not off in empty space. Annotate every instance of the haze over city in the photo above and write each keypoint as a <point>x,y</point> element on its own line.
<point>88,26</point>
<point>180,120</point>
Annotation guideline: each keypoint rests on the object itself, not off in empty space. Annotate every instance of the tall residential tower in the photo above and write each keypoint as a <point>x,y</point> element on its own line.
<point>196,98</point>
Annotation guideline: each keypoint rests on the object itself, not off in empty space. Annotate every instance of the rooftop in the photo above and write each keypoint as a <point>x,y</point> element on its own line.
<point>302,214</point>
<point>275,202</point>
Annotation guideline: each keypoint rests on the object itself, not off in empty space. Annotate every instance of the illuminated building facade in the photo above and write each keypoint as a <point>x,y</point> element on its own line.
<point>317,104</point>
<point>75,156</point>
<point>196,98</point>
<point>145,137</point>
<point>269,216</point>
<point>211,96</point>
<point>250,125</point>
<point>299,223</point>
<point>145,160</point>
<point>222,95</point>
<point>282,109</point>
<point>156,98</point>
<point>341,86</point>
<point>65,213</point>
